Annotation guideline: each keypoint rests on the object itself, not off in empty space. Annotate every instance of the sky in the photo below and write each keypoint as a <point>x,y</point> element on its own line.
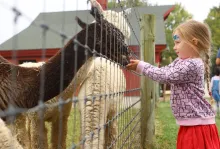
<point>31,8</point>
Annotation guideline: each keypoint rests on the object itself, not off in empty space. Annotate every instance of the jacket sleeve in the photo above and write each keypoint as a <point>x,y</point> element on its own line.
<point>178,73</point>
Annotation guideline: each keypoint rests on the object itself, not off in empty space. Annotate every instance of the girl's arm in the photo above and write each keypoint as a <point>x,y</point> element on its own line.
<point>174,74</point>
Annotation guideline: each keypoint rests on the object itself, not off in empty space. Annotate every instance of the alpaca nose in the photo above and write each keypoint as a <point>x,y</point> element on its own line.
<point>125,60</point>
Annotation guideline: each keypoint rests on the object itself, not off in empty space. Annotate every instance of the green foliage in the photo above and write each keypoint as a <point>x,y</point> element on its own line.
<point>176,17</point>
<point>212,59</point>
<point>213,20</point>
<point>126,3</point>
<point>168,56</point>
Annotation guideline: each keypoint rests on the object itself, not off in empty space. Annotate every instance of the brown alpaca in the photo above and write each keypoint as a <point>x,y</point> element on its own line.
<point>52,115</point>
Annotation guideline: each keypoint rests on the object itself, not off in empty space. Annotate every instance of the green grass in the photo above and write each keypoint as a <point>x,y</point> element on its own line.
<point>73,133</point>
<point>129,126</point>
<point>166,127</point>
<point>218,124</point>
<point>74,129</point>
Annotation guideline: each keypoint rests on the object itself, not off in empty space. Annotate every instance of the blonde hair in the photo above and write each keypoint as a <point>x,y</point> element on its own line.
<point>198,35</point>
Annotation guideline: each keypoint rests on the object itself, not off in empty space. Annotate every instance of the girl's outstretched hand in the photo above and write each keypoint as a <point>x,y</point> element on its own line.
<point>133,64</point>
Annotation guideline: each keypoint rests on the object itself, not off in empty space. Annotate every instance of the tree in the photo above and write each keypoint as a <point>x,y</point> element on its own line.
<point>214,52</point>
<point>176,17</point>
<point>126,3</point>
<point>213,20</point>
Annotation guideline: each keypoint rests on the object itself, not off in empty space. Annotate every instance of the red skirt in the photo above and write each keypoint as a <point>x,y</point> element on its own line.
<point>198,137</point>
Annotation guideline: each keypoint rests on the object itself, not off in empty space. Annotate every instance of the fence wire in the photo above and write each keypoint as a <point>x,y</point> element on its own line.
<point>104,103</point>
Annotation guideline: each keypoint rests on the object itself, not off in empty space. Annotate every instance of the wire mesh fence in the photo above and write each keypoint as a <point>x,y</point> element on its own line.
<point>76,92</point>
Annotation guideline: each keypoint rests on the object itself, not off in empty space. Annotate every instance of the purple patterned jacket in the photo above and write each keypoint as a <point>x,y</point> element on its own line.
<point>186,78</point>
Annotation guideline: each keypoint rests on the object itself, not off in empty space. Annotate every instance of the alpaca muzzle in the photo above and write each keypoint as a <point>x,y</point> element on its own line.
<point>125,60</point>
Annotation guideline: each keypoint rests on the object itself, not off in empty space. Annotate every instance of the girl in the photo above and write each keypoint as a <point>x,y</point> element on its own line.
<point>186,77</point>
<point>214,87</point>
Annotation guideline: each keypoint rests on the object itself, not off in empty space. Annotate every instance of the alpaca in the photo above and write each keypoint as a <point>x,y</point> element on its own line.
<point>102,77</point>
<point>51,115</point>
<point>7,141</point>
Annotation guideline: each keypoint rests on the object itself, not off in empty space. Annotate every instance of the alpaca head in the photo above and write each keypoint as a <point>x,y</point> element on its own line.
<point>104,37</point>
<point>115,18</point>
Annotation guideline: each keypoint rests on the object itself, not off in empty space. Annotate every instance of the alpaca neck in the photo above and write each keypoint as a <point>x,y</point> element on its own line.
<point>71,63</point>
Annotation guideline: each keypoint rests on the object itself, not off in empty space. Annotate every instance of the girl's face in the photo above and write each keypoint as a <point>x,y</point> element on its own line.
<point>183,49</point>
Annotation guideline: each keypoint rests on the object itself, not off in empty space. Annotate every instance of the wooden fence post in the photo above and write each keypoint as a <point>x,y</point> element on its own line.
<point>147,85</point>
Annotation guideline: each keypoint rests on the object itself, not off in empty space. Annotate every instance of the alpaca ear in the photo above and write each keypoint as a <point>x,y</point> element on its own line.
<point>96,14</point>
<point>96,10</point>
<point>80,22</point>
<point>95,4</point>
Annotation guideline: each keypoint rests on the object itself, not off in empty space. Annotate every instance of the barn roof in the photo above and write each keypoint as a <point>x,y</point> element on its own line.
<point>32,37</point>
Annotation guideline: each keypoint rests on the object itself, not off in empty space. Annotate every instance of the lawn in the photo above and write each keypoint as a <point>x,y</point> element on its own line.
<point>73,132</point>
<point>166,128</point>
<point>128,123</point>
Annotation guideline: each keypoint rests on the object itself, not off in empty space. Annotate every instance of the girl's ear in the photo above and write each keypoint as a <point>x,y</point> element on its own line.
<point>195,41</point>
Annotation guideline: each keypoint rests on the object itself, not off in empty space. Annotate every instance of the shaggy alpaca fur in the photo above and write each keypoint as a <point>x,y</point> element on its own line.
<point>102,77</point>
<point>118,20</point>
<point>31,139</point>
<point>51,115</point>
<point>7,140</point>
